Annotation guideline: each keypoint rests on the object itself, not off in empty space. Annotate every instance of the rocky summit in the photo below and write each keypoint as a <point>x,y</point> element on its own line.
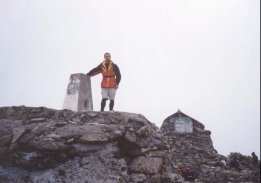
<point>46,145</point>
<point>39,145</point>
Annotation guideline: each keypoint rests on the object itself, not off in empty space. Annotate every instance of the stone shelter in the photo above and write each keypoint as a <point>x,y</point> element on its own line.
<point>190,144</point>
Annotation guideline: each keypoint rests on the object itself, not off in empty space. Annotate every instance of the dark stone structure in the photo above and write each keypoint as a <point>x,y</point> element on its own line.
<point>191,145</point>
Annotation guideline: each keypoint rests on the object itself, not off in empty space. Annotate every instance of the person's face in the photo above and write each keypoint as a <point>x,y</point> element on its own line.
<point>107,57</point>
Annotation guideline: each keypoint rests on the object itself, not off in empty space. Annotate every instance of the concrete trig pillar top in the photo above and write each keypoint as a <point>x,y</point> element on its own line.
<point>79,93</point>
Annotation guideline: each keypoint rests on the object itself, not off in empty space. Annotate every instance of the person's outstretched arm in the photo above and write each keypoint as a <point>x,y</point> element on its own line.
<point>95,71</point>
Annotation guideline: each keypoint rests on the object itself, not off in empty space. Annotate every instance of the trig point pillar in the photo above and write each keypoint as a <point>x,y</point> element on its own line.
<point>79,93</point>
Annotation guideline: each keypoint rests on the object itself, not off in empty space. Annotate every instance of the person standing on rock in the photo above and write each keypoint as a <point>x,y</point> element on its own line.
<point>224,164</point>
<point>110,81</point>
<point>255,160</point>
<point>179,169</point>
<point>235,164</point>
<point>189,175</point>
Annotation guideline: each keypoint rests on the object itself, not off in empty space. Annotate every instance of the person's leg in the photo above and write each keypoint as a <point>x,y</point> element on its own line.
<point>111,105</point>
<point>105,96</point>
<point>103,103</point>
<point>112,93</point>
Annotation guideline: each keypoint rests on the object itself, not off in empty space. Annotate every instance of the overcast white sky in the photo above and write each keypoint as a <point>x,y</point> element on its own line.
<point>199,56</point>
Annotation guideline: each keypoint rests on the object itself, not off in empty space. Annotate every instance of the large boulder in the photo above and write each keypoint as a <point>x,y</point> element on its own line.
<point>46,145</point>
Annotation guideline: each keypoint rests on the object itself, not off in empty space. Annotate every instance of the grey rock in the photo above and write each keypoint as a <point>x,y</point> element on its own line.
<point>48,146</point>
<point>70,140</point>
<point>146,165</point>
<point>211,163</point>
<point>155,178</point>
<point>60,123</point>
<point>109,151</point>
<point>115,134</point>
<point>77,120</point>
<point>13,147</point>
<point>163,153</point>
<point>37,120</point>
<point>87,138</point>
<point>87,149</point>
<point>130,137</point>
<point>159,144</point>
<point>139,152</point>
<point>54,136</point>
<point>131,129</point>
<point>93,114</point>
<point>72,122</point>
<point>17,132</point>
<point>6,139</point>
<point>3,150</point>
<point>142,132</point>
<point>172,177</point>
<point>137,177</point>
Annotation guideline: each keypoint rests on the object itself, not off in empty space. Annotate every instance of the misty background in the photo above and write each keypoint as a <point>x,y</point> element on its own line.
<point>199,56</point>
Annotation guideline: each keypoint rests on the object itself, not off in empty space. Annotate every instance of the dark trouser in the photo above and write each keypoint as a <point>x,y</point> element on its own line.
<point>103,104</point>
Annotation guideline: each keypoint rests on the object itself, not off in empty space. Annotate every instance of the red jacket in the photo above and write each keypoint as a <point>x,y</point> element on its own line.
<point>110,72</point>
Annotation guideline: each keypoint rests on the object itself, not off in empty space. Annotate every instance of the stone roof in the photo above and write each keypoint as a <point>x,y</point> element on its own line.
<point>196,124</point>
